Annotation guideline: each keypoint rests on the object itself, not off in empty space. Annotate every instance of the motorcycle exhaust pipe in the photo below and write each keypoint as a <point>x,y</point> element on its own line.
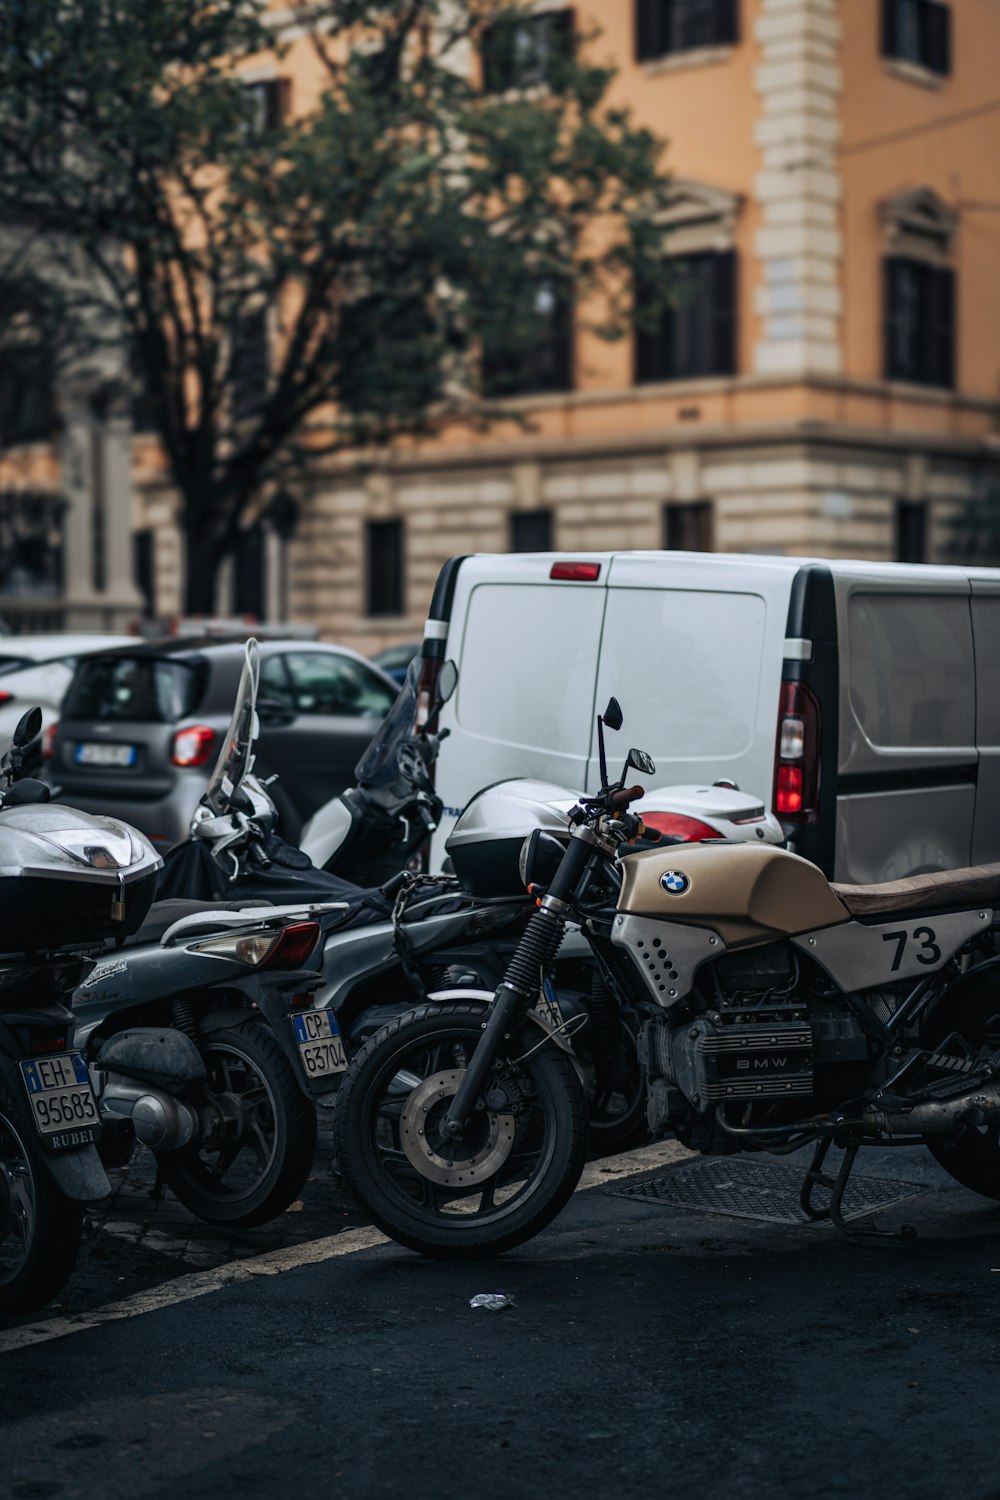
<point>939,1116</point>
<point>160,1122</point>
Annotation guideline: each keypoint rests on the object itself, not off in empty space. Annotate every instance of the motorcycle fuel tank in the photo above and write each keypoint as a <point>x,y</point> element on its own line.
<point>747,893</point>
<point>69,878</point>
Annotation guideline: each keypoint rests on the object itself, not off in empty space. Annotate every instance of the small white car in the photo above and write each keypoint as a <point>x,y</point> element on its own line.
<point>36,669</point>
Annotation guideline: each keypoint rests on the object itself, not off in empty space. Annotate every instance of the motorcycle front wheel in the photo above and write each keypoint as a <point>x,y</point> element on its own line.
<point>40,1229</point>
<point>256,1156</point>
<point>510,1174</point>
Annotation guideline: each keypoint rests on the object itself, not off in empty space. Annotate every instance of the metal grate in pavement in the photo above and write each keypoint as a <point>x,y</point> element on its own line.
<point>744,1188</point>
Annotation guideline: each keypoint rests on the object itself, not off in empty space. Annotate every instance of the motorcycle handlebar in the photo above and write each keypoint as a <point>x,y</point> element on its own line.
<point>626,794</point>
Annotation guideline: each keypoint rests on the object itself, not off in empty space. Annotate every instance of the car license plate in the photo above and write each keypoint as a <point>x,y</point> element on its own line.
<point>105,755</point>
<point>62,1101</point>
<point>321,1046</point>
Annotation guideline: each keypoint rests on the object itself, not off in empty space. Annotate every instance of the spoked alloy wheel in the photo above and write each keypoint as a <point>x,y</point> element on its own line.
<point>257,1154</point>
<point>973,1157</point>
<point>39,1229</point>
<point>510,1174</point>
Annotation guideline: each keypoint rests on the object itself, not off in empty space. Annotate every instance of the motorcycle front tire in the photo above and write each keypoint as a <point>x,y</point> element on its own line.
<point>40,1229</point>
<point>440,1218</point>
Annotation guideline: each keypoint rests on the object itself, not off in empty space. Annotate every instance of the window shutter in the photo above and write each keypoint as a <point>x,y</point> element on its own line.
<point>723,353</point>
<point>562,24</point>
<point>650,31</point>
<point>727,21</point>
<point>889,33</point>
<point>562,346</point>
<point>891,304</point>
<point>942,327</point>
<point>283,99</point>
<point>498,57</point>
<point>937,20</point>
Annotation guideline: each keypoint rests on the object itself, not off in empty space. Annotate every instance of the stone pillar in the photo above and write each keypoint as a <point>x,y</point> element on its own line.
<point>99,591</point>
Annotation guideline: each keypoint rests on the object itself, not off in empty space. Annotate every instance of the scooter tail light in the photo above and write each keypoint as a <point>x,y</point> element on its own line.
<point>294,946</point>
<point>288,948</point>
<point>192,746</point>
<point>679,826</point>
<point>49,741</point>
<point>797,755</point>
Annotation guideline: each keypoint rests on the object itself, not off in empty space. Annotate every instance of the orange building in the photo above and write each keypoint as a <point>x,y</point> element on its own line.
<point>827,383</point>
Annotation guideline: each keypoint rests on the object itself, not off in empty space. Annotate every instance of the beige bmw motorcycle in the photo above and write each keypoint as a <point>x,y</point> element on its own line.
<point>778,1011</point>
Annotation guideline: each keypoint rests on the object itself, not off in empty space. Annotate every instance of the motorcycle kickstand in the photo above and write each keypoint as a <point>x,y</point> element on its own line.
<point>835,1186</point>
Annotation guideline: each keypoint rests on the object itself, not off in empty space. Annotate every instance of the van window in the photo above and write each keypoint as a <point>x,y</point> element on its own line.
<point>685,666</point>
<point>911,669</point>
<point>529,655</point>
<point>986,625</point>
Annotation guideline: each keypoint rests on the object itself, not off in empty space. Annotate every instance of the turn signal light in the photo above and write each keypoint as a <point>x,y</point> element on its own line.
<point>193,746</point>
<point>49,741</point>
<point>576,572</point>
<point>677,826</point>
<point>797,755</point>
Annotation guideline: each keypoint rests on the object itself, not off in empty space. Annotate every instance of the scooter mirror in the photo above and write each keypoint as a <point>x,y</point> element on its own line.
<point>29,726</point>
<point>447,683</point>
<point>612,716</point>
<point>640,761</point>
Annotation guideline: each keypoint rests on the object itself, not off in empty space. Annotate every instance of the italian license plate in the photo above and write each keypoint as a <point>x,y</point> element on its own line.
<point>105,755</point>
<point>321,1045</point>
<point>62,1101</point>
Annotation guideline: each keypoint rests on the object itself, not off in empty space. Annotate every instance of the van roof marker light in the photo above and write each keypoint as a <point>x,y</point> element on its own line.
<point>576,572</point>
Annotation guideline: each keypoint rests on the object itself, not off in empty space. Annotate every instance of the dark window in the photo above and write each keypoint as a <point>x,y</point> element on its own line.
<point>326,684</point>
<point>531,531</point>
<point>266,103</point>
<point>27,407</point>
<point>249,364</point>
<point>132,690</point>
<point>688,528</point>
<point>144,564</point>
<point>526,51</point>
<point>534,352</point>
<point>920,322</point>
<point>697,335</point>
<point>918,31</point>
<point>665,26</point>
<point>250,573</point>
<point>384,568</point>
<point>911,531</point>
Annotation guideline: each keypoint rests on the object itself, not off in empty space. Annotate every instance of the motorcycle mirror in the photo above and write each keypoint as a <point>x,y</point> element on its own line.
<point>29,726</point>
<point>612,716</point>
<point>640,761</point>
<point>447,683</point>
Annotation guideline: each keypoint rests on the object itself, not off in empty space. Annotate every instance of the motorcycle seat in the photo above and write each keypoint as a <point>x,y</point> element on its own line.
<point>946,890</point>
<point>163,914</point>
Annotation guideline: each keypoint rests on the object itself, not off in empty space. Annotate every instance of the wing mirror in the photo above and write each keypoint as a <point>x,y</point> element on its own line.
<point>612,716</point>
<point>29,727</point>
<point>640,761</point>
<point>447,683</point>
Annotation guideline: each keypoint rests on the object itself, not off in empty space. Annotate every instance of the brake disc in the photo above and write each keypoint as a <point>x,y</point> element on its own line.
<point>452,1163</point>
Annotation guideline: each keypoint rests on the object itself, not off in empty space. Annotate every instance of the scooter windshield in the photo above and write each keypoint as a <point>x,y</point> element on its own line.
<point>236,756</point>
<point>380,763</point>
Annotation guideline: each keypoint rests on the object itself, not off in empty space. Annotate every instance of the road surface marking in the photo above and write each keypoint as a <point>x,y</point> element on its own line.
<point>310,1253</point>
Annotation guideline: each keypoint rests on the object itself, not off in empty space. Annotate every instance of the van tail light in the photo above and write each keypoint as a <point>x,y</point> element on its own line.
<point>430,671</point>
<point>49,741</point>
<point>193,746</point>
<point>576,572</point>
<point>678,826</point>
<point>797,755</point>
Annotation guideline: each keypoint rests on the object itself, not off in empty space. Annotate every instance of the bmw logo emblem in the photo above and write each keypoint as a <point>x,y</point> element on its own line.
<point>674,883</point>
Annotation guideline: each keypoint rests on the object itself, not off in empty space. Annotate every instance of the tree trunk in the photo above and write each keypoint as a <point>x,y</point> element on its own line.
<point>203,556</point>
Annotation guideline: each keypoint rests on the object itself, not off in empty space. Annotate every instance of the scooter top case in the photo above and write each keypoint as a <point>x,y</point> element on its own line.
<point>70,879</point>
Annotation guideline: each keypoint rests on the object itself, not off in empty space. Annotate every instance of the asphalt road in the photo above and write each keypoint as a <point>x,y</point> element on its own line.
<point>651,1351</point>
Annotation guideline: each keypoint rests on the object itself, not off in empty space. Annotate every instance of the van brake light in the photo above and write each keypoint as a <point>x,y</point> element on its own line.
<point>576,572</point>
<point>797,755</point>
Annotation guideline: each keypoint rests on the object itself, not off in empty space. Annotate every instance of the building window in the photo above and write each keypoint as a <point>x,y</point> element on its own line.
<point>144,568</point>
<point>250,573</point>
<point>697,335</point>
<point>688,528</point>
<point>249,364</point>
<point>527,51</point>
<point>383,568</point>
<point>666,26</point>
<point>920,322</point>
<point>531,531</point>
<point>266,104</point>
<point>911,531</point>
<point>532,353</point>
<point>918,31</point>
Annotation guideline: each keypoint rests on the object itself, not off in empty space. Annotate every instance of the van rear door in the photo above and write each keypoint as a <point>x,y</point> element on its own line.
<point>692,649</point>
<point>986,634</point>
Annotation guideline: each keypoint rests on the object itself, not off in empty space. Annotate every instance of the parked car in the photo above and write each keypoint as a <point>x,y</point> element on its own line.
<point>37,669</point>
<point>396,659</point>
<point>141,727</point>
<point>857,699</point>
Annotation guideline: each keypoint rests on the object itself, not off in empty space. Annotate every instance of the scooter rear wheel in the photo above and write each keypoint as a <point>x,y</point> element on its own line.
<point>40,1229</point>
<point>510,1174</point>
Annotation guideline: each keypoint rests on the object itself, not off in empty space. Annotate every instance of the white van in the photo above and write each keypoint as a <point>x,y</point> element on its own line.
<point>860,701</point>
